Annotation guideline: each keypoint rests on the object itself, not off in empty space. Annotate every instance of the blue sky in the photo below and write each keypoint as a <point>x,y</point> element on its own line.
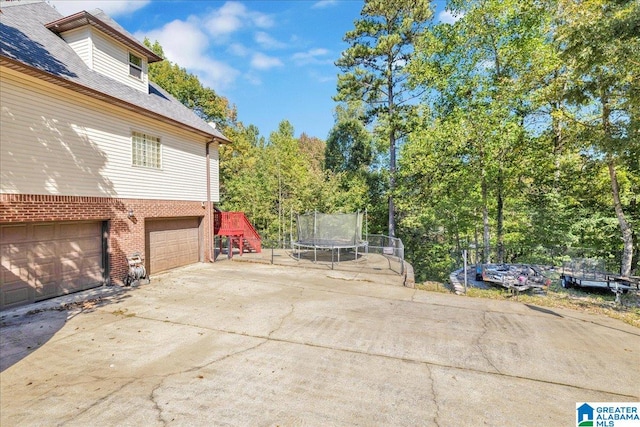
<point>273,59</point>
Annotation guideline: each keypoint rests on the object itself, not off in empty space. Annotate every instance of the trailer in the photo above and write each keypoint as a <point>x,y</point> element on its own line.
<point>590,274</point>
<point>513,277</point>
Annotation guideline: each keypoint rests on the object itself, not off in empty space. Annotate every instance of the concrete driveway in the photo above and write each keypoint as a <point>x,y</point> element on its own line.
<point>257,345</point>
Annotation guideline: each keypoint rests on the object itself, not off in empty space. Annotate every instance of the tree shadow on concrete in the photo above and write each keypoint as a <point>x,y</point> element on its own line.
<point>26,329</point>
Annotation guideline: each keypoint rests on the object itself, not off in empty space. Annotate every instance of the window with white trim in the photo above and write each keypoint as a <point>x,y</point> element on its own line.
<point>135,66</point>
<point>145,150</point>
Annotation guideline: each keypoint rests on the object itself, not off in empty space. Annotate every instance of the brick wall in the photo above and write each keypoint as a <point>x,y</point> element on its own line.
<point>125,234</point>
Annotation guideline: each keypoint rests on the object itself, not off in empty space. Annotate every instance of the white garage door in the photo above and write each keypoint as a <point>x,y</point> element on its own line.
<point>45,260</point>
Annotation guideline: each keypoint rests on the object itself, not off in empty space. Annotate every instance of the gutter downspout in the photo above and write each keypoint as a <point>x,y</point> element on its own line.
<point>208,211</point>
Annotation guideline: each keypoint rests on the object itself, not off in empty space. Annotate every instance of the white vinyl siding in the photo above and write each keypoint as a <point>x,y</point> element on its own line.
<point>80,42</point>
<point>55,141</point>
<point>107,56</point>
<point>112,59</point>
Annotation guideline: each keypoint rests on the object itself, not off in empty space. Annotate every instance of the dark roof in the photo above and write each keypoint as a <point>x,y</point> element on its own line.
<point>27,45</point>
<point>104,23</point>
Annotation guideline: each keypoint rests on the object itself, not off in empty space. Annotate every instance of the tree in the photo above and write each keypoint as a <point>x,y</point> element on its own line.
<point>268,180</point>
<point>600,46</point>
<point>187,88</point>
<point>349,145</point>
<point>374,70</point>
<point>314,149</point>
<point>478,71</point>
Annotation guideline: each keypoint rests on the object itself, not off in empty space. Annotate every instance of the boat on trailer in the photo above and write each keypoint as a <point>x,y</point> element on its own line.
<point>513,277</point>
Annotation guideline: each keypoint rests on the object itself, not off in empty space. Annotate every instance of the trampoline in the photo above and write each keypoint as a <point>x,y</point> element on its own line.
<point>329,232</point>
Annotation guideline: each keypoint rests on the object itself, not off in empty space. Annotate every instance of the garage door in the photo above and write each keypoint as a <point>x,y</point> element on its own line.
<point>173,243</point>
<point>46,260</point>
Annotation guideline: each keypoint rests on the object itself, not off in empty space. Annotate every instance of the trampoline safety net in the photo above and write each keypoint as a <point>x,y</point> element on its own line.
<point>337,230</point>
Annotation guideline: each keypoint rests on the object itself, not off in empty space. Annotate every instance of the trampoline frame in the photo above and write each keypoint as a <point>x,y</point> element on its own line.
<point>323,244</point>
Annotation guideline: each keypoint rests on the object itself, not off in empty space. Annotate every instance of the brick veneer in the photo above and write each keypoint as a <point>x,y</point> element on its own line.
<point>126,235</point>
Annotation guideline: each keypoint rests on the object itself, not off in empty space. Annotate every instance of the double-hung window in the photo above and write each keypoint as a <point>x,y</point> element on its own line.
<point>145,150</point>
<point>135,66</point>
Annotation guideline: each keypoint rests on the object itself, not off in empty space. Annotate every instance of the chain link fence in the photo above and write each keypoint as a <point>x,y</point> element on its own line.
<point>379,254</point>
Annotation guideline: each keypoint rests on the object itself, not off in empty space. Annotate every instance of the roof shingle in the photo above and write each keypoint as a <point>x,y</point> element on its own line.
<point>25,40</point>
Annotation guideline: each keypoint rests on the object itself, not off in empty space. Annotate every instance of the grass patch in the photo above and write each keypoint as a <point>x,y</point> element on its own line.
<point>557,297</point>
<point>433,287</point>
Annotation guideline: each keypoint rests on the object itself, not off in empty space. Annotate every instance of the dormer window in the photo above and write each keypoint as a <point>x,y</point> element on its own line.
<point>106,48</point>
<point>135,66</point>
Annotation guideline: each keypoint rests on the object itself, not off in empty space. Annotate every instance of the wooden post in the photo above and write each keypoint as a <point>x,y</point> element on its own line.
<point>464,272</point>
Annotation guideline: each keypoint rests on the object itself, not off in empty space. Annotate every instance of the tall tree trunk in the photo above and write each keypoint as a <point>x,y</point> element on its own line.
<point>557,144</point>
<point>486,256</point>
<point>392,186</point>
<point>635,259</point>
<point>475,242</point>
<point>625,228</point>
<point>500,219</point>
<point>392,153</point>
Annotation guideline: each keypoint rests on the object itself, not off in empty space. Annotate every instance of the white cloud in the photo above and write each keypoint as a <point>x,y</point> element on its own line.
<point>182,41</point>
<point>232,16</point>
<point>261,61</point>
<point>322,78</point>
<point>226,20</point>
<point>447,17</point>
<point>324,4</point>
<point>113,8</point>
<point>261,20</point>
<point>185,44</point>
<point>238,49</point>
<point>196,42</point>
<point>252,78</point>
<point>268,42</point>
<point>312,56</point>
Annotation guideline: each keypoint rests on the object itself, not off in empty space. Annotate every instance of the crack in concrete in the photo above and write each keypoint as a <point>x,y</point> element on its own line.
<point>436,416</point>
<point>386,356</point>
<point>156,405</point>
<point>97,402</point>
<point>284,318</point>
<point>478,343</point>
<point>152,395</point>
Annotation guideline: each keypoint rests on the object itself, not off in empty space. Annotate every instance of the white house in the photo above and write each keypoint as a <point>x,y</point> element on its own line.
<point>96,162</point>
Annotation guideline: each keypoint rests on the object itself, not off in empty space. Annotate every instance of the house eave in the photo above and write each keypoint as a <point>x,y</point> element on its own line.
<point>84,18</point>
<point>95,94</point>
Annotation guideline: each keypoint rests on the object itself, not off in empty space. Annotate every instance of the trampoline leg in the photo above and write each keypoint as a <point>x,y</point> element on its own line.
<point>332,258</point>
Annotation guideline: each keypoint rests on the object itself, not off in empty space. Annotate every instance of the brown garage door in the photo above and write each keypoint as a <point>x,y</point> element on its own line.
<point>46,260</point>
<point>172,243</point>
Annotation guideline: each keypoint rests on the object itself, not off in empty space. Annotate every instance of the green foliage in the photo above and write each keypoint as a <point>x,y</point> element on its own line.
<point>531,108</point>
<point>524,145</point>
<point>349,145</point>
<point>600,48</point>
<point>188,89</point>
<point>373,67</point>
<point>268,180</point>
